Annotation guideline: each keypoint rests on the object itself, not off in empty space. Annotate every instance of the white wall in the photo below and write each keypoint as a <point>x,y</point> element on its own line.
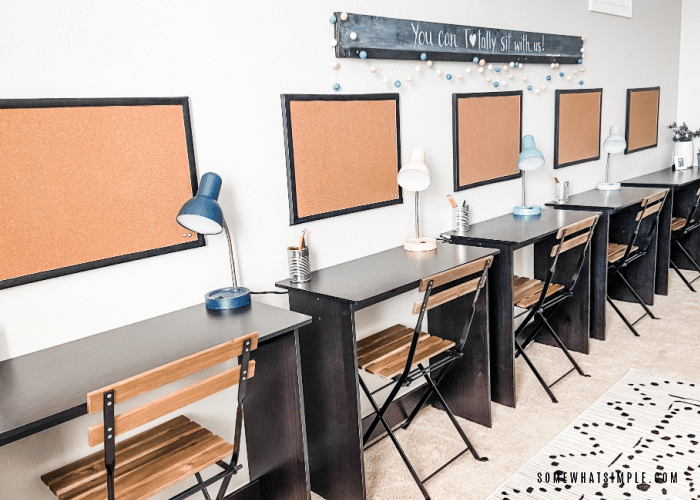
<point>689,72</point>
<point>233,60</point>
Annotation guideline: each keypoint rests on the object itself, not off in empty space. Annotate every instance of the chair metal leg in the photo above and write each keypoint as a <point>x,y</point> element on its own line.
<point>204,490</point>
<point>619,313</point>
<point>534,370</point>
<point>380,417</point>
<point>692,261</point>
<point>636,296</point>
<point>562,346</point>
<point>383,410</point>
<point>424,399</point>
<point>454,420</point>
<point>678,271</point>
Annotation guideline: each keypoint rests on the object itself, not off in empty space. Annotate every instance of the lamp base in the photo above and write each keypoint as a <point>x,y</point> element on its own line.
<point>237,299</point>
<point>608,186</point>
<point>420,244</point>
<point>527,212</point>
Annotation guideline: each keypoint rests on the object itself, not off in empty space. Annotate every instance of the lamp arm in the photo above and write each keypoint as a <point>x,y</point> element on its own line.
<point>607,167</point>
<point>523,174</point>
<point>230,254</point>
<point>417,230</point>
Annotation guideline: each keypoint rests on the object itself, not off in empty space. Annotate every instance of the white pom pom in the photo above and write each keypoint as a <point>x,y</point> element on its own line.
<point>511,64</point>
<point>344,16</point>
<point>488,79</point>
<point>429,64</point>
<point>372,69</point>
<point>409,79</point>
<point>335,65</point>
<point>459,77</point>
<point>583,38</point>
<point>482,62</point>
<point>537,91</point>
<point>544,87</point>
<point>583,49</point>
<point>417,69</point>
<point>510,76</point>
<point>504,82</point>
<point>481,70</point>
<point>353,36</point>
<point>574,72</point>
<point>568,77</point>
<point>524,78</point>
<point>438,72</point>
<point>490,66</point>
<point>385,79</point>
<point>333,42</point>
<point>551,65</point>
<point>468,70</point>
<point>582,70</point>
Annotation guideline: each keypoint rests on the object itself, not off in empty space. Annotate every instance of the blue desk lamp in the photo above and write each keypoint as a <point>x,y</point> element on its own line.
<point>530,159</point>
<point>202,214</point>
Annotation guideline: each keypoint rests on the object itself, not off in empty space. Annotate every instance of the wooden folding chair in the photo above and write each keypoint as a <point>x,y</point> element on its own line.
<point>400,354</point>
<point>680,228</point>
<point>542,298</point>
<point>146,464</point>
<point>620,256</point>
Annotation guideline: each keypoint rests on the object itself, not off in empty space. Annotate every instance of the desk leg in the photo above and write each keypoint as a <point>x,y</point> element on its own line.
<point>331,397</point>
<point>466,386</point>
<point>274,424</point>
<point>663,251</point>
<point>571,320</point>
<point>599,276</point>
<point>501,342</point>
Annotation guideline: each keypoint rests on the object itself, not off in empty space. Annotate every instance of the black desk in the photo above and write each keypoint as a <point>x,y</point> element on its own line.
<point>49,387</point>
<point>329,358</point>
<point>509,234</point>
<point>618,208</point>
<point>682,187</point>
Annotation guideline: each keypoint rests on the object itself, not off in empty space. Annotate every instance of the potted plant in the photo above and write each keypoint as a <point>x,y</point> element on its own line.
<point>683,139</point>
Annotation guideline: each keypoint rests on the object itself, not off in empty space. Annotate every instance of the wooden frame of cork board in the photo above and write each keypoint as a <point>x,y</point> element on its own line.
<point>577,122</point>
<point>343,153</point>
<point>486,132</point>
<point>642,128</point>
<point>92,182</point>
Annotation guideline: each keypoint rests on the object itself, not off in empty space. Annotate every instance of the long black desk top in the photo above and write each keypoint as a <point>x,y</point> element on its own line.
<point>372,279</point>
<point>49,387</point>
<point>599,200</point>
<point>507,230</point>
<point>666,178</point>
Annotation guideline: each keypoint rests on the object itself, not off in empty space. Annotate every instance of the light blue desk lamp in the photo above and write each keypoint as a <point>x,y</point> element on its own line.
<point>529,159</point>
<point>202,214</point>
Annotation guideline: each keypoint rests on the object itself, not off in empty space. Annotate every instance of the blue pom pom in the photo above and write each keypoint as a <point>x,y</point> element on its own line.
<point>581,82</point>
<point>580,61</point>
<point>495,84</point>
<point>423,56</point>
<point>336,86</point>
<point>332,19</point>
<point>498,69</point>
<point>517,64</point>
<point>529,87</point>
<point>363,55</point>
<point>561,74</point>
<point>397,83</point>
<point>448,76</point>
<point>475,60</point>
<point>549,77</point>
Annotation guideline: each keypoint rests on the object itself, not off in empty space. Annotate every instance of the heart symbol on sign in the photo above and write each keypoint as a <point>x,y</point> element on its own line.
<point>472,39</point>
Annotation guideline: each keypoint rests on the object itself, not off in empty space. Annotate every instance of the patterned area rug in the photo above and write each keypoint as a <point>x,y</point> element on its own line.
<point>639,441</point>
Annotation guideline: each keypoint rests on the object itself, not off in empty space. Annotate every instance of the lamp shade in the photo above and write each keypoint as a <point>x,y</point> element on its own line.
<point>615,143</point>
<point>414,175</point>
<point>531,158</point>
<point>202,214</point>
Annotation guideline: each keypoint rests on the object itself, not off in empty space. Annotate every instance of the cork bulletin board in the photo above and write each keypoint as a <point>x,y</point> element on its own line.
<point>577,126</point>
<point>642,129</point>
<point>343,153</point>
<point>486,131</point>
<point>92,182</point>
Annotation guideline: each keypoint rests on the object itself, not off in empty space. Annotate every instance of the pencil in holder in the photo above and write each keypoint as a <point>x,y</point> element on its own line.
<point>561,192</point>
<point>460,218</point>
<point>299,267</point>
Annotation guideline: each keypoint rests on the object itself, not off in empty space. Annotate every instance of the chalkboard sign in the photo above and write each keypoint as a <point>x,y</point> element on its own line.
<point>389,38</point>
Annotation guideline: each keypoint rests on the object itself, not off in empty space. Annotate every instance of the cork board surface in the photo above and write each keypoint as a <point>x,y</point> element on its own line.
<point>345,154</point>
<point>578,127</point>
<point>488,138</point>
<point>642,118</point>
<point>82,184</point>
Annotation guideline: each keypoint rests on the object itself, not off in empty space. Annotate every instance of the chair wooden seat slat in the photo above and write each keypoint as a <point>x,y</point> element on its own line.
<point>529,291</point>
<point>677,223</point>
<point>403,354</point>
<point>148,463</point>
<point>616,251</point>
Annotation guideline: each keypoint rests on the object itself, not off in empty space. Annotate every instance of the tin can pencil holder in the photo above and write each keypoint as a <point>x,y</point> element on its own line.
<point>299,267</point>
<point>561,192</point>
<point>460,218</point>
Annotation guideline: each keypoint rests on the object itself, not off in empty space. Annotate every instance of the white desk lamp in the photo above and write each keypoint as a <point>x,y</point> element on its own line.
<point>614,144</point>
<point>414,176</point>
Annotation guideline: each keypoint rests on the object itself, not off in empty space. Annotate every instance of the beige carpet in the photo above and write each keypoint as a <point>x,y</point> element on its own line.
<point>668,347</point>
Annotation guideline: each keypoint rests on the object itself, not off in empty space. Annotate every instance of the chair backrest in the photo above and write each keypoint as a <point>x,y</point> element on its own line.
<point>479,267</point>
<point>572,240</point>
<point>691,219</point>
<point>163,375</point>
<point>646,222</point>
